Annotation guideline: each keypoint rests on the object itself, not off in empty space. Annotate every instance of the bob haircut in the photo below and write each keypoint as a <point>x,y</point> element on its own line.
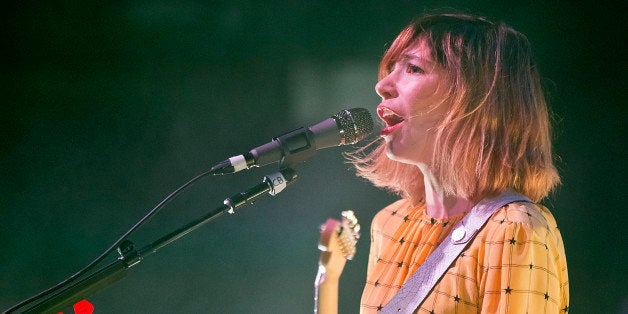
<point>496,134</point>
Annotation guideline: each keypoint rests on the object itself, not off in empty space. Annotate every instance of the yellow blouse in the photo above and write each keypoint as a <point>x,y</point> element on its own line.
<point>516,263</point>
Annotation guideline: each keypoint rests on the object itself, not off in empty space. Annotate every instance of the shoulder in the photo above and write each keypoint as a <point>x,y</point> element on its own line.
<point>395,211</point>
<point>526,214</point>
<point>524,223</point>
<point>396,208</point>
<point>519,232</point>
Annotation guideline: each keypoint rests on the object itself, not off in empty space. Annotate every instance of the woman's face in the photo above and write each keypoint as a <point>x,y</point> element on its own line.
<point>412,105</point>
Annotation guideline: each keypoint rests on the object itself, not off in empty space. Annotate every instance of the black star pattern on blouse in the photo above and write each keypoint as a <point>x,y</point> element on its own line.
<point>541,245</point>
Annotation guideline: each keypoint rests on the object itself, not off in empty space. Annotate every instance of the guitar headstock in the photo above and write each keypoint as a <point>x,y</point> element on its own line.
<point>345,235</point>
<point>337,243</point>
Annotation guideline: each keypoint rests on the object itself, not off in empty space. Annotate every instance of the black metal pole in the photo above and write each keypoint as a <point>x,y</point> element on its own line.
<point>129,257</point>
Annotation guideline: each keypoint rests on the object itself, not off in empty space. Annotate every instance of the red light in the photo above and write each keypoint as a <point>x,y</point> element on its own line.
<point>83,307</point>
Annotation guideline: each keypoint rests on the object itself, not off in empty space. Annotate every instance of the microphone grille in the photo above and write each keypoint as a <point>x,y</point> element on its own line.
<point>355,124</point>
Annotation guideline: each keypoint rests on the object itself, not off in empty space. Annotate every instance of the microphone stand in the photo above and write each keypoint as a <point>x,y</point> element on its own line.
<point>129,257</point>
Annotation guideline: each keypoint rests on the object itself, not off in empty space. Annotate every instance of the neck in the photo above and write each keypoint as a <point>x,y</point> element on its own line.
<point>438,203</point>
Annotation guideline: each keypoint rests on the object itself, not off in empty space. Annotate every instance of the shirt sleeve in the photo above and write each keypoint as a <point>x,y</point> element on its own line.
<point>523,266</point>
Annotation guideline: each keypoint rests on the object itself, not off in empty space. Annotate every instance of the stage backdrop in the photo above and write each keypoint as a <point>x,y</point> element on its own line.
<point>109,107</point>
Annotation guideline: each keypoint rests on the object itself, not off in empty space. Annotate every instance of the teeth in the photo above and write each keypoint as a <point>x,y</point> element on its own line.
<point>389,116</point>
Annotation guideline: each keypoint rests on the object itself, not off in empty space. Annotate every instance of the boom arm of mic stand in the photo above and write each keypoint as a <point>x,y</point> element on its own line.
<point>115,271</point>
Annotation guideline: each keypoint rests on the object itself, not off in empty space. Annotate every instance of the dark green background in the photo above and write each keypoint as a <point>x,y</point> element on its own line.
<point>109,106</point>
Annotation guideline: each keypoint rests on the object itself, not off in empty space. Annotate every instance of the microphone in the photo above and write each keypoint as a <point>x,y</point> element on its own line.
<point>346,127</point>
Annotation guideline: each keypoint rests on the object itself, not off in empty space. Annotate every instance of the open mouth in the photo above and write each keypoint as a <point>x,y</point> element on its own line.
<point>390,117</point>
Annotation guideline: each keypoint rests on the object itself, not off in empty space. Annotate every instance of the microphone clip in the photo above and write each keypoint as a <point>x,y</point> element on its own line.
<point>296,147</point>
<point>271,184</point>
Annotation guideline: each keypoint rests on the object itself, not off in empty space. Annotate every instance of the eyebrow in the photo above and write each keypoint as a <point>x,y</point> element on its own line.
<point>409,56</point>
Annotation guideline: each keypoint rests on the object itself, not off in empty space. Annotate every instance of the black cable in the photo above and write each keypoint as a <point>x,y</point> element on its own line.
<point>97,260</point>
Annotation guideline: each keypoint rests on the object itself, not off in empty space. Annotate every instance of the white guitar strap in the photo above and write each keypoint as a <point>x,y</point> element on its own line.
<point>414,291</point>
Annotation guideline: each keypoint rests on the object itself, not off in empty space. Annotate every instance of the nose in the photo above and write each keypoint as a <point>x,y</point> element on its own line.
<point>385,88</point>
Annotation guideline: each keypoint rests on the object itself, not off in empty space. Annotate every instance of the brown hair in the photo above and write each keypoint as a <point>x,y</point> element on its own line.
<point>497,132</point>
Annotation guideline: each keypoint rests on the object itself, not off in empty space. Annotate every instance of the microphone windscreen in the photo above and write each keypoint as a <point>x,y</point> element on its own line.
<point>355,124</point>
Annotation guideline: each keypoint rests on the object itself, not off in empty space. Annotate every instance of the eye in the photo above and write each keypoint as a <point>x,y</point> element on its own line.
<point>411,68</point>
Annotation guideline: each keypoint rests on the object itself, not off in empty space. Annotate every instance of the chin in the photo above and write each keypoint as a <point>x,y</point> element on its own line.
<point>405,157</point>
<point>396,157</point>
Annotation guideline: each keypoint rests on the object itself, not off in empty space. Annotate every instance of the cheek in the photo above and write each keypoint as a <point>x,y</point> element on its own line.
<point>420,136</point>
<point>427,99</point>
